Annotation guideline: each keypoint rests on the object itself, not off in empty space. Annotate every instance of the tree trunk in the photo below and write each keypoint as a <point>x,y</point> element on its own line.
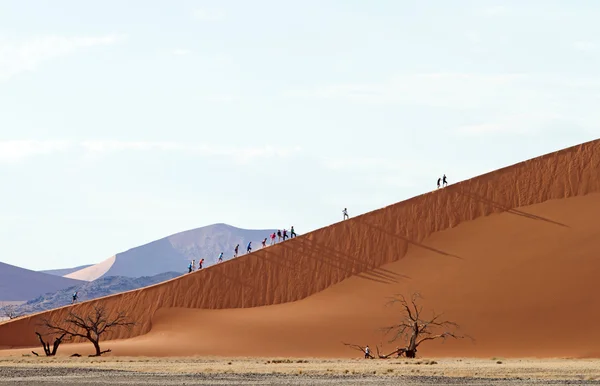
<point>411,350</point>
<point>45,345</point>
<point>97,347</point>
<point>57,343</point>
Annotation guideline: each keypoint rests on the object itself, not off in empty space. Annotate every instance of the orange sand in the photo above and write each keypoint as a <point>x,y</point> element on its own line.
<point>522,283</point>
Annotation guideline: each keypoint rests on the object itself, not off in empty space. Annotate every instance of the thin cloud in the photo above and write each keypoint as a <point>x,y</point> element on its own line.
<point>520,124</point>
<point>14,151</point>
<point>585,46</point>
<point>362,163</point>
<point>181,52</point>
<point>208,15</point>
<point>463,90</point>
<point>495,10</point>
<point>27,55</point>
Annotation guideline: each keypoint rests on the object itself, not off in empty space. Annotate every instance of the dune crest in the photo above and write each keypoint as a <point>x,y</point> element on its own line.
<point>93,272</point>
<point>313,262</point>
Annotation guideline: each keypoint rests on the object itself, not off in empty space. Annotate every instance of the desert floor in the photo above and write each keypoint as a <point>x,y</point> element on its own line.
<point>282,371</point>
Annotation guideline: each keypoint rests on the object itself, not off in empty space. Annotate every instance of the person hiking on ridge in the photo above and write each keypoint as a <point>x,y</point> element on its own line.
<point>249,249</point>
<point>273,238</point>
<point>445,183</point>
<point>278,235</point>
<point>74,297</point>
<point>264,242</point>
<point>220,257</point>
<point>190,267</point>
<point>200,262</point>
<point>439,182</point>
<point>236,250</point>
<point>292,232</point>
<point>193,265</point>
<point>285,234</point>
<point>345,212</point>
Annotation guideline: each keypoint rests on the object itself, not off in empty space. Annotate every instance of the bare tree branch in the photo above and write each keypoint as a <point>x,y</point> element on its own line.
<point>46,345</point>
<point>9,312</point>
<point>91,326</point>
<point>359,348</point>
<point>416,329</point>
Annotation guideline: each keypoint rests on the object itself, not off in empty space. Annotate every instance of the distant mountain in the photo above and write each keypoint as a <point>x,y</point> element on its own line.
<point>18,284</point>
<point>173,253</point>
<point>90,290</point>
<point>65,271</point>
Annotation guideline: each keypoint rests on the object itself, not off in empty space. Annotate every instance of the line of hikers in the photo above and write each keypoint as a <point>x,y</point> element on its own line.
<point>280,235</point>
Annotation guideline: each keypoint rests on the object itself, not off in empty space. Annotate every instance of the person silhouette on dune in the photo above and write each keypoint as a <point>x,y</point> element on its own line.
<point>278,235</point>
<point>200,262</point>
<point>439,182</point>
<point>273,238</point>
<point>264,242</point>
<point>249,249</point>
<point>237,247</point>
<point>444,181</point>
<point>345,212</point>
<point>74,298</point>
<point>190,267</point>
<point>220,257</point>
<point>292,232</point>
<point>285,236</point>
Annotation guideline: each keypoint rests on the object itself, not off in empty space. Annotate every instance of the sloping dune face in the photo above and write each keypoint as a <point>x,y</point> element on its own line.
<point>516,283</point>
<point>93,272</point>
<point>479,274</point>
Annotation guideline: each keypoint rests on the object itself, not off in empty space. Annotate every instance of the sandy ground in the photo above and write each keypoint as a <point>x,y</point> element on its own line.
<point>248,371</point>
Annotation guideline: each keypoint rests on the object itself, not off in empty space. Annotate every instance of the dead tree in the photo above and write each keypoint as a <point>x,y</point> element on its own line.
<point>415,329</point>
<point>398,351</point>
<point>10,312</point>
<point>91,326</point>
<point>359,348</point>
<point>46,345</point>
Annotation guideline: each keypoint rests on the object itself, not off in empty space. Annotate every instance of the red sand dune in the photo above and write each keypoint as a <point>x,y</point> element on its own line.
<point>522,283</point>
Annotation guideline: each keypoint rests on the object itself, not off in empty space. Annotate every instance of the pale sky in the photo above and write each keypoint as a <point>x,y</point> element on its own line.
<point>124,122</point>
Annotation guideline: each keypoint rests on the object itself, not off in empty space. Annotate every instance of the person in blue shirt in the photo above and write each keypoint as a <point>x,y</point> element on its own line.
<point>74,297</point>
<point>249,249</point>
<point>190,267</point>
<point>221,257</point>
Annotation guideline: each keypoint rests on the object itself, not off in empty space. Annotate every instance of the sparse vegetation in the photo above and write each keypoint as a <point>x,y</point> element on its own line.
<point>9,311</point>
<point>46,345</point>
<point>282,361</point>
<point>338,368</point>
<point>413,328</point>
<point>91,326</point>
